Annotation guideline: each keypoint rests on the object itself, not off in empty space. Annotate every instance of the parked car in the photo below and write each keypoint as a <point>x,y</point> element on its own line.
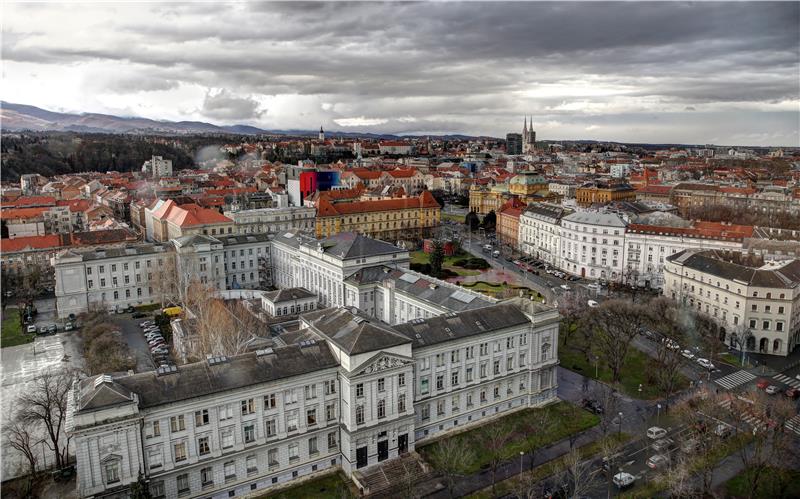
<point>623,480</point>
<point>792,393</point>
<point>31,329</point>
<point>42,329</point>
<point>671,344</point>
<point>772,390</point>
<point>593,286</point>
<point>146,323</point>
<point>592,304</point>
<point>69,326</point>
<point>52,329</point>
<point>688,354</point>
<point>662,445</point>
<point>723,430</point>
<point>762,384</point>
<point>565,287</point>
<point>655,433</point>
<point>592,405</point>
<point>657,461</point>
<point>705,363</point>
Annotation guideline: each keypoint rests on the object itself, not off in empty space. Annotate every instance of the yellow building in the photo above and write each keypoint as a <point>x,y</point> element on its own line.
<point>387,219</point>
<point>527,187</point>
<point>601,193</point>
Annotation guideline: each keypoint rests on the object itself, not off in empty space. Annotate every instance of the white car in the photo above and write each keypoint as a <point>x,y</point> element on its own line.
<point>565,287</point>
<point>657,461</point>
<point>31,329</point>
<point>772,390</point>
<point>671,344</point>
<point>656,433</point>
<point>622,480</point>
<point>688,354</point>
<point>705,363</point>
<point>592,304</point>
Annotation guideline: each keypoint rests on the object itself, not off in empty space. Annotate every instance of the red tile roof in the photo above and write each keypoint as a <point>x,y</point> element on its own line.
<point>30,243</point>
<point>29,201</point>
<point>700,229</point>
<point>22,213</point>
<point>189,215</point>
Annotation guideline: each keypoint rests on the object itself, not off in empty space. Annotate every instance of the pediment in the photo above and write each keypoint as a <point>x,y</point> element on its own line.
<point>381,362</point>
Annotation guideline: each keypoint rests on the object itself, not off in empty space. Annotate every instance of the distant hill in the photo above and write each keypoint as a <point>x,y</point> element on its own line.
<point>22,117</point>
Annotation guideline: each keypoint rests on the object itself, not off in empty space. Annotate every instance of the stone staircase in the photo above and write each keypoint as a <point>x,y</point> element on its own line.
<point>394,477</point>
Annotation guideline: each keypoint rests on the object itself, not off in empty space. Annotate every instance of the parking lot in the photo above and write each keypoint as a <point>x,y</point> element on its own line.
<point>133,335</point>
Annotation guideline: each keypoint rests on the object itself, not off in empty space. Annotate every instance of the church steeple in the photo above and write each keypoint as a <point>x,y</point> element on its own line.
<point>321,133</point>
<point>525,129</point>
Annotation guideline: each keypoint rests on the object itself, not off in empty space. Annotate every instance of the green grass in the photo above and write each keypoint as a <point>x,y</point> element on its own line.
<point>453,218</point>
<point>330,486</point>
<point>544,470</point>
<point>12,332</point>
<point>768,486</point>
<point>567,419</point>
<point>733,360</point>
<point>420,257</point>
<point>495,289</point>
<point>635,369</point>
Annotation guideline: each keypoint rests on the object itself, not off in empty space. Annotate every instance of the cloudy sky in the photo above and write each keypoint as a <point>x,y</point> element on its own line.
<point>725,73</point>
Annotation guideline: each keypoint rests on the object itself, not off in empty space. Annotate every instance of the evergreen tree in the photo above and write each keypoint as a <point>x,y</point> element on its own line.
<point>437,258</point>
<point>490,221</point>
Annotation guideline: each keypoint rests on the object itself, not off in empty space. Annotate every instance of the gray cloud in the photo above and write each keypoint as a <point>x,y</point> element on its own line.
<point>474,66</point>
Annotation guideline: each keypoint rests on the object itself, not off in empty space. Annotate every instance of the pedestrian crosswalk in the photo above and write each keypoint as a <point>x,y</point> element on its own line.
<point>733,380</point>
<point>793,382</point>
<point>744,415</point>
<point>794,424</point>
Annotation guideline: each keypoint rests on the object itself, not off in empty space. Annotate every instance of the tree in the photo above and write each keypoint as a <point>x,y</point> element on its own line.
<point>578,475</point>
<point>437,258</point>
<point>166,282</point>
<point>490,221</point>
<point>571,307</point>
<point>140,489</point>
<point>45,405</point>
<point>452,457</point>
<point>613,326</point>
<point>472,221</point>
<point>539,422</point>
<point>495,437</point>
<point>669,323</point>
<point>605,396</point>
<point>19,436</point>
<point>220,329</point>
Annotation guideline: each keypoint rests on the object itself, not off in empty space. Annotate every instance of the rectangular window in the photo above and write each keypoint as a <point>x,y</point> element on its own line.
<point>290,396</point>
<point>311,417</point>
<point>360,390</point>
<point>249,433</point>
<point>470,375</point>
<point>156,428</point>
<point>401,403</point>
<point>225,412</point>
<point>312,446</point>
<point>423,385</point>
<point>180,451</point>
<point>497,367</point>
<point>112,472</point>
<point>270,428</point>
<point>182,482</point>
<point>227,438</point>
<point>272,457</point>
<point>359,414</point>
<point>454,378</point>
<point>252,464</point>
<point>330,412</point>
<point>248,407</point>
<point>310,391</point>
<point>470,352</point>
<point>440,407</point>
<point>207,476</point>
<point>401,379</point>
<point>440,382</point>
<point>201,417</point>
<point>332,440</point>
<point>291,420</point>
<point>330,387</point>
<point>270,401</point>
<point>176,423</point>
<point>381,384</point>
<point>202,446</point>
<point>230,470</point>
<point>425,412</point>
<point>294,451</point>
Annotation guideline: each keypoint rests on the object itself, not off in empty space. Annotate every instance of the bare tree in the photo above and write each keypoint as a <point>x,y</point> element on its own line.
<point>613,326</point>
<point>605,396</point>
<point>572,307</point>
<point>221,329</point>
<point>610,449</point>
<point>494,438</point>
<point>45,404</point>
<point>19,436</point>
<point>452,457</point>
<point>539,422</point>
<point>578,475</point>
<point>165,281</point>
<point>668,322</point>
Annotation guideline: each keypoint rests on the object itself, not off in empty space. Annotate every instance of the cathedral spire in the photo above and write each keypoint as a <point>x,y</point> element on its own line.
<point>525,128</point>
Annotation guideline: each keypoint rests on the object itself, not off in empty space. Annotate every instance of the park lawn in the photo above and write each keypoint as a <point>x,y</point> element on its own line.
<point>544,470</point>
<point>453,218</point>
<point>635,369</point>
<point>495,288</point>
<point>733,360</point>
<point>568,419</point>
<point>420,257</point>
<point>768,488</point>
<point>12,332</point>
<point>330,486</point>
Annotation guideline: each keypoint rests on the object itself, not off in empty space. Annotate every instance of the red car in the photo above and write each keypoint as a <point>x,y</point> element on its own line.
<point>762,384</point>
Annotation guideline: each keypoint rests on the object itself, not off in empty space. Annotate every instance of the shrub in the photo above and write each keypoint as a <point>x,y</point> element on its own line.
<point>460,262</point>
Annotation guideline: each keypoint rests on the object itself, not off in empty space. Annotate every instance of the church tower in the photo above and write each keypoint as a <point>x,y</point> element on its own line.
<point>528,138</point>
<point>321,134</point>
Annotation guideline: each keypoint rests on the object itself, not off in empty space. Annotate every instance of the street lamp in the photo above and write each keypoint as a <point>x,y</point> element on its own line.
<point>658,414</point>
<point>619,430</point>
<point>596,360</point>
<point>520,461</point>
<point>640,390</point>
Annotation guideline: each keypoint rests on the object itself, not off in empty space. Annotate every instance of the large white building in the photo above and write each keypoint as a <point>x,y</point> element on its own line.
<point>753,302</point>
<point>593,245</point>
<point>540,232</point>
<point>273,220</point>
<point>342,391</point>
<point>158,167</point>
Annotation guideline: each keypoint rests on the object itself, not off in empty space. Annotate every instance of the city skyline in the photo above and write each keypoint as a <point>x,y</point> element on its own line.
<point>722,73</point>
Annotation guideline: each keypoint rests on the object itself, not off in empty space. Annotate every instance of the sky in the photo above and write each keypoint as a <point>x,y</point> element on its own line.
<point>720,73</point>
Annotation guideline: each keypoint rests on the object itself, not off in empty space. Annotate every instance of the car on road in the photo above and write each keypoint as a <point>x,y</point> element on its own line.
<point>565,287</point>
<point>592,405</point>
<point>662,445</point>
<point>159,349</point>
<point>772,390</point>
<point>723,430</point>
<point>52,329</point>
<point>656,432</point>
<point>146,323</point>
<point>42,329</point>
<point>671,344</point>
<point>623,480</point>
<point>592,304</point>
<point>155,342</point>
<point>705,363</point>
<point>69,326</point>
<point>31,329</point>
<point>792,393</point>
<point>657,461</point>
<point>762,384</point>
<point>688,354</point>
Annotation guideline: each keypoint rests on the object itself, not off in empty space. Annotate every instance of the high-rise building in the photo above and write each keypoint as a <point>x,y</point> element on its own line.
<point>513,143</point>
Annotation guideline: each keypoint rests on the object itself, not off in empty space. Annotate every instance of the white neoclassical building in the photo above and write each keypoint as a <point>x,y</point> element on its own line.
<point>342,390</point>
<point>754,302</point>
<point>593,245</point>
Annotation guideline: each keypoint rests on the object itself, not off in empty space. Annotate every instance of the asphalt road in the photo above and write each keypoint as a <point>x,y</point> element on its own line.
<point>132,334</point>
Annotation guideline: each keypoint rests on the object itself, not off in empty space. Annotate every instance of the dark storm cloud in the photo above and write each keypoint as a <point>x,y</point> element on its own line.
<point>444,63</point>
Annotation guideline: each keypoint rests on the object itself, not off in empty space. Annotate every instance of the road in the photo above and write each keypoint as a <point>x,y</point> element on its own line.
<point>132,334</point>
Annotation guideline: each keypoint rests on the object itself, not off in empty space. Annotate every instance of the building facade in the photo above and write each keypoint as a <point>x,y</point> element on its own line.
<point>341,392</point>
<point>756,304</point>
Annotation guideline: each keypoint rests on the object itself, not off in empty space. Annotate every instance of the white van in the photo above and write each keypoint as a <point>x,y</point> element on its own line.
<point>496,254</point>
<point>655,433</point>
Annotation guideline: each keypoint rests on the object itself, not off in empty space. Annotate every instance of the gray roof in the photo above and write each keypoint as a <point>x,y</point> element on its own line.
<point>129,250</point>
<point>200,379</point>
<point>593,218</point>
<point>193,239</point>
<point>547,211</point>
<point>352,333</point>
<point>101,391</point>
<point>716,263</point>
<point>244,238</point>
<point>289,294</point>
<point>425,332</point>
<point>346,245</point>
